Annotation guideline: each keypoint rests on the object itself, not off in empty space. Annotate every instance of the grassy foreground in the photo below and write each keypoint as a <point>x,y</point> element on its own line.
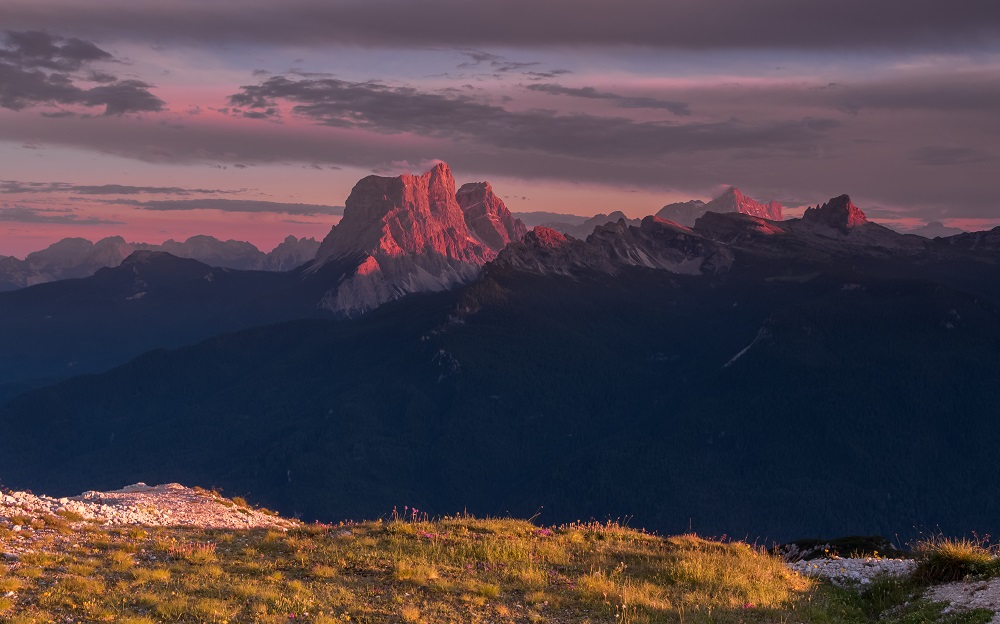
<point>449,570</point>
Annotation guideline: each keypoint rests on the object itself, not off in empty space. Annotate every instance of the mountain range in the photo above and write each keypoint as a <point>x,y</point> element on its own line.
<point>79,257</point>
<point>738,375</point>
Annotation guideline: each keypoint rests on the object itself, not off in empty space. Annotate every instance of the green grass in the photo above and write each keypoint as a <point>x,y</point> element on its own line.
<point>450,570</point>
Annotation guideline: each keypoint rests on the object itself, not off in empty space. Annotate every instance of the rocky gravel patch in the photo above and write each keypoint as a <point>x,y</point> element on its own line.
<point>964,595</point>
<point>163,505</point>
<point>854,571</point>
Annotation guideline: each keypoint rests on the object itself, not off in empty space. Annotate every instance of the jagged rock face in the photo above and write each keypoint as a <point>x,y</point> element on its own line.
<point>735,201</point>
<point>655,244</point>
<point>404,235</point>
<point>406,215</point>
<point>735,228</point>
<point>542,250</point>
<point>487,217</point>
<point>683,213</point>
<point>291,253</point>
<point>839,213</point>
<point>547,237</point>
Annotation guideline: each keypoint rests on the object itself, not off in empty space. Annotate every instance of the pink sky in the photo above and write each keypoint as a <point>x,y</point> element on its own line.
<point>581,119</point>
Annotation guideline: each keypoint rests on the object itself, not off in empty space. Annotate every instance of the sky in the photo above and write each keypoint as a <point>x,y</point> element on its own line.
<point>252,119</point>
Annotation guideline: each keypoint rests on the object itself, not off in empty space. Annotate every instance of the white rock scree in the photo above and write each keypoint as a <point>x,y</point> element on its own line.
<point>139,504</point>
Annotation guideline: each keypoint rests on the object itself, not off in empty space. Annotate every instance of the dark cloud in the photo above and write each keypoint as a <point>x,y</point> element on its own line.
<point>487,63</point>
<point>101,77</point>
<point>679,24</point>
<point>239,205</point>
<point>20,214</point>
<point>478,57</point>
<point>270,113</point>
<point>124,96</point>
<point>623,101</point>
<point>14,187</point>
<point>59,114</point>
<point>940,155</point>
<point>40,50</point>
<point>389,109</point>
<point>37,68</point>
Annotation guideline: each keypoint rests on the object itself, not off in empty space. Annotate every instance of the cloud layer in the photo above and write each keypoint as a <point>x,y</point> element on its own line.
<point>680,24</point>
<point>394,109</point>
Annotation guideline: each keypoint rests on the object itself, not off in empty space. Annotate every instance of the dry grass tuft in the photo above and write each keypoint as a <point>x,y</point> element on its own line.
<point>943,559</point>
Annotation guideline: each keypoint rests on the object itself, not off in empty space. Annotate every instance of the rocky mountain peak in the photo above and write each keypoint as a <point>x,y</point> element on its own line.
<point>683,213</point>
<point>402,216</point>
<point>487,217</point>
<point>839,213</point>
<point>542,236</point>
<point>733,200</point>
<point>410,234</point>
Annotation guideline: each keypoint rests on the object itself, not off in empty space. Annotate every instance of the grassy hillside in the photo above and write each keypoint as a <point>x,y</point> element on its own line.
<point>458,569</point>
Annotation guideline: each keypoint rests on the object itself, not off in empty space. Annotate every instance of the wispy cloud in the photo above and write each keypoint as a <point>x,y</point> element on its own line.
<point>21,214</point>
<point>237,205</point>
<point>622,101</point>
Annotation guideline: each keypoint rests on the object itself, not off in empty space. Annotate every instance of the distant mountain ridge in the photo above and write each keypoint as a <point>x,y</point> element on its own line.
<point>935,229</point>
<point>835,229</point>
<point>732,200</point>
<point>585,229</point>
<point>682,213</point>
<point>78,257</point>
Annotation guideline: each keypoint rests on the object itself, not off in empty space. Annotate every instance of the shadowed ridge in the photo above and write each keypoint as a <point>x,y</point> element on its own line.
<point>840,213</point>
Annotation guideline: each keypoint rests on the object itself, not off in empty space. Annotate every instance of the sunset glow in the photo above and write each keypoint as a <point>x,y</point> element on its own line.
<point>247,104</point>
